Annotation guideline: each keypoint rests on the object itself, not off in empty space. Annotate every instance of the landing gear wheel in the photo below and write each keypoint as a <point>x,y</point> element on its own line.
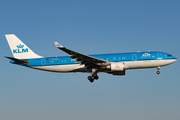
<point>90,79</point>
<point>158,72</point>
<point>96,77</point>
<point>93,76</point>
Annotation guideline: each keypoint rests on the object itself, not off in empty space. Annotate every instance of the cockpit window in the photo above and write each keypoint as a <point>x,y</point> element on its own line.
<point>169,55</point>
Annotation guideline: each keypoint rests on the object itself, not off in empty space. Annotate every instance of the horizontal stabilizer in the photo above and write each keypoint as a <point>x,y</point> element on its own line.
<point>25,62</point>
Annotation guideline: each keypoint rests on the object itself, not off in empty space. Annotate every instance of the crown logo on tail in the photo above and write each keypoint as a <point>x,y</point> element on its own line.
<point>20,46</point>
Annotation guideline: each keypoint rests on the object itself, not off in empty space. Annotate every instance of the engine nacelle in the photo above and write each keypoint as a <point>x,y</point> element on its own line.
<point>117,66</point>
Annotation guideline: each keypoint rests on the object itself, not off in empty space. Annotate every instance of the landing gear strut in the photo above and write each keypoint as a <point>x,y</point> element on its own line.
<point>158,72</point>
<point>93,76</point>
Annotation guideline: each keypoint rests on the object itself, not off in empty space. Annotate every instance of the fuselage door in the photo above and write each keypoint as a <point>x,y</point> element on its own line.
<point>134,57</point>
<point>159,56</point>
<point>43,62</point>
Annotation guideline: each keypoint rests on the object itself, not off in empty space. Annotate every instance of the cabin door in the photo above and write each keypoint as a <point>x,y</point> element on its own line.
<point>159,55</point>
<point>134,57</point>
<point>43,62</point>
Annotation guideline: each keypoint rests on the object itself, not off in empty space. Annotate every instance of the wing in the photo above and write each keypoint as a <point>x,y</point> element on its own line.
<point>87,60</point>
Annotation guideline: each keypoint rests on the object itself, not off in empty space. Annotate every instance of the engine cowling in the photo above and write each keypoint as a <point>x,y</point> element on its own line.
<point>117,66</point>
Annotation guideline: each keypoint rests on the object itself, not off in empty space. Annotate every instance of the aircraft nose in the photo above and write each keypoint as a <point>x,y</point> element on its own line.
<point>174,60</point>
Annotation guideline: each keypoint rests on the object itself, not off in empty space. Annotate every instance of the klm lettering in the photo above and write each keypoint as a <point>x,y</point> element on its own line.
<point>20,50</point>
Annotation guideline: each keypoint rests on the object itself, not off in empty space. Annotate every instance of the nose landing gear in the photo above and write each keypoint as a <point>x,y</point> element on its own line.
<point>158,72</point>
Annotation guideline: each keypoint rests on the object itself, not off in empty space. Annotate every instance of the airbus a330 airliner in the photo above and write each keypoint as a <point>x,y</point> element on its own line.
<point>115,64</point>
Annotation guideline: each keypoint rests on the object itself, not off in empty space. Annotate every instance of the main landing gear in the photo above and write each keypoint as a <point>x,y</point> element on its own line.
<point>158,72</point>
<point>93,77</point>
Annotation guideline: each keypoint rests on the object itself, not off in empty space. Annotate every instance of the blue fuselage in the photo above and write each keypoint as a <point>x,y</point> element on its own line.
<point>116,57</point>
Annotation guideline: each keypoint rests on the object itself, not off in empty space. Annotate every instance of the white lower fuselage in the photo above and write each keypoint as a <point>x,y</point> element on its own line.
<point>127,65</point>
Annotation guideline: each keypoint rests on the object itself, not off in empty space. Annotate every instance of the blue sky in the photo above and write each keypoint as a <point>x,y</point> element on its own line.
<point>95,26</point>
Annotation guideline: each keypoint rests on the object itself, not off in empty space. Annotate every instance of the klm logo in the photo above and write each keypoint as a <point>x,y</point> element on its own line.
<point>146,54</point>
<point>20,49</point>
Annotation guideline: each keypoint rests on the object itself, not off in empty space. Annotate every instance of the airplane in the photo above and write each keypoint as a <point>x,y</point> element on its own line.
<point>114,63</point>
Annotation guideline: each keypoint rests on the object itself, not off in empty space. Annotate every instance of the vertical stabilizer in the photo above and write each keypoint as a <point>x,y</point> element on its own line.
<point>19,49</point>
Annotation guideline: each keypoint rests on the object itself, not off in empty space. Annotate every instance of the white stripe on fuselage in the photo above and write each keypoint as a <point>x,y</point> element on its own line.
<point>127,65</point>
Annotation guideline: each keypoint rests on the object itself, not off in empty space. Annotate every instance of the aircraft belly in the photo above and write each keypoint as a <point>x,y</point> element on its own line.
<point>147,63</point>
<point>138,64</point>
<point>57,68</point>
<point>164,62</point>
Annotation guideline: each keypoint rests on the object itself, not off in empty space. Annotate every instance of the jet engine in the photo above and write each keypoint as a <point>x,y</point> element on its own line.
<point>116,66</point>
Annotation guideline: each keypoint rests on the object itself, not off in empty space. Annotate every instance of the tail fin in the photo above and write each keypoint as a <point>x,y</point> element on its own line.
<point>19,49</point>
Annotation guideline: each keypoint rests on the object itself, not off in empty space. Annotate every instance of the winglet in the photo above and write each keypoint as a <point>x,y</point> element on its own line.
<point>58,45</point>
